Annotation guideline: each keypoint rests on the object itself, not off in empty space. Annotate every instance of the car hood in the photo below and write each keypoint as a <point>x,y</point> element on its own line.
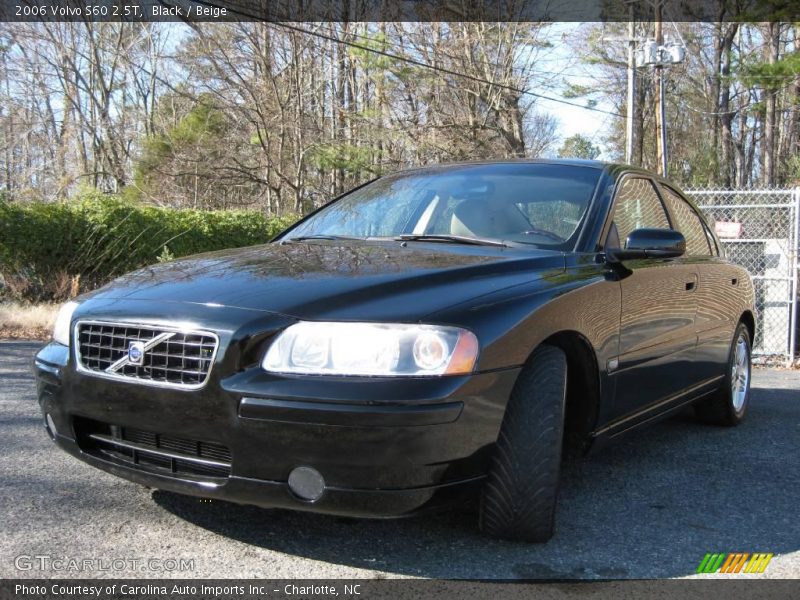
<point>353,280</point>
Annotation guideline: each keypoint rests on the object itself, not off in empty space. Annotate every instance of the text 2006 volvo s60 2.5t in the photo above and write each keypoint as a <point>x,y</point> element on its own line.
<point>436,334</point>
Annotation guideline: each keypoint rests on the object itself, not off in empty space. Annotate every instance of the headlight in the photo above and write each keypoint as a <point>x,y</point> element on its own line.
<point>61,333</point>
<point>372,349</point>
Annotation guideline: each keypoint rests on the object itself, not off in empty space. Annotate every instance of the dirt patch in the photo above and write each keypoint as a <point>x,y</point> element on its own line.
<point>27,321</point>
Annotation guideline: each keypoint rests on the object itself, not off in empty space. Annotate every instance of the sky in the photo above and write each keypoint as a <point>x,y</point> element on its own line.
<point>561,58</point>
<point>573,120</point>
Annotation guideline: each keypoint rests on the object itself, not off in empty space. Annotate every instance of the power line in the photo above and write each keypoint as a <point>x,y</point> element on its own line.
<point>749,107</point>
<point>413,61</point>
<point>488,64</point>
<point>440,69</point>
<point>425,65</point>
<point>447,54</point>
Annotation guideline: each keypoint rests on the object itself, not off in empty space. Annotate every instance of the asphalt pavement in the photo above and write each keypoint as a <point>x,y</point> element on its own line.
<point>650,505</point>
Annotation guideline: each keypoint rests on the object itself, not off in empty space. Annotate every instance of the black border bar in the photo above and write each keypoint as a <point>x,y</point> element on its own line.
<point>396,589</point>
<point>396,10</point>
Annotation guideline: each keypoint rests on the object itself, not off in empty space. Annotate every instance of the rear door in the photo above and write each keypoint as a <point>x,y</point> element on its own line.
<point>716,300</point>
<point>657,320</point>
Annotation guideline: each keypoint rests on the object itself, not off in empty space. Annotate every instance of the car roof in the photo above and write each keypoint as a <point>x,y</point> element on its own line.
<point>575,162</point>
<point>614,168</point>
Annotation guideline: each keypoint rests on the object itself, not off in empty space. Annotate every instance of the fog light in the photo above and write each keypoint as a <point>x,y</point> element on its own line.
<point>50,426</point>
<point>306,483</point>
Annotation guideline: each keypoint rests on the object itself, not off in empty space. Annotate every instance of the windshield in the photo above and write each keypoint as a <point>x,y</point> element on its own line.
<point>539,204</point>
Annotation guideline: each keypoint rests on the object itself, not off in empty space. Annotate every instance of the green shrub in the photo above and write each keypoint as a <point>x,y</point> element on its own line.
<point>50,252</point>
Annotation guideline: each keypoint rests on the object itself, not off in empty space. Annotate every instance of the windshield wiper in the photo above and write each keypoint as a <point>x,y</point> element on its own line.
<point>303,238</point>
<point>451,239</point>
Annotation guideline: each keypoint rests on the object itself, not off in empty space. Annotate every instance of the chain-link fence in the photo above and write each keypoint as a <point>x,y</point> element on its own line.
<point>759,230</point>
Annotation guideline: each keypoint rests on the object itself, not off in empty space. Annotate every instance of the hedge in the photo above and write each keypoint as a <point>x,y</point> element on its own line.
<point>53,251</point>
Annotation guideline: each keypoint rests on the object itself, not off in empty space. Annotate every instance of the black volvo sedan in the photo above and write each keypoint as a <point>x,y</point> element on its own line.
<point>435,334</point>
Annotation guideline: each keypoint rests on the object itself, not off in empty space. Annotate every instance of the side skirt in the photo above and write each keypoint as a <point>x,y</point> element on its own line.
<point>655,411</point>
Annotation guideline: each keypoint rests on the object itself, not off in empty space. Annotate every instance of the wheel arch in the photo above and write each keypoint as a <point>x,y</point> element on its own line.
<point>749,320</point>
<point>583,389</point>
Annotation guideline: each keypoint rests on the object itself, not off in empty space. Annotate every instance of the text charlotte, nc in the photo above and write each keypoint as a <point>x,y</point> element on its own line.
<point>126,589</point>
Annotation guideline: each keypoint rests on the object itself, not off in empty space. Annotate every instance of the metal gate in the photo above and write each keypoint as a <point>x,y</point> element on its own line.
<point>759,230</point>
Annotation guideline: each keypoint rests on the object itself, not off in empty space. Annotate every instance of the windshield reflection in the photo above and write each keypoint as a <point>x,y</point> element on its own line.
<point>530,203</point>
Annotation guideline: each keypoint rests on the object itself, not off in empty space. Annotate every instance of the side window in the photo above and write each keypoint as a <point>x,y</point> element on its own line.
<point>688,223</point>
<point>637,205</point>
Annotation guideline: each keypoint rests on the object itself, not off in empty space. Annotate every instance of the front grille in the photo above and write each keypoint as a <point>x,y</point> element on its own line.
<point>171,357</point>
<point>158,452</point>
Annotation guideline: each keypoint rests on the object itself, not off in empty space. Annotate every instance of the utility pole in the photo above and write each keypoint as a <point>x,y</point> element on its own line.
<point>661,120</point>
<point>629,117</point>
<point>654,53</point>
<point>630,137</point>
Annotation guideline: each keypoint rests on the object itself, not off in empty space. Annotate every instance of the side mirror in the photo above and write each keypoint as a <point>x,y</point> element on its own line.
<point>649,243</point>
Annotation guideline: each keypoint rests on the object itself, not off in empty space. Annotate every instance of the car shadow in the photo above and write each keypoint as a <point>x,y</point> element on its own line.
<point>649,505</point>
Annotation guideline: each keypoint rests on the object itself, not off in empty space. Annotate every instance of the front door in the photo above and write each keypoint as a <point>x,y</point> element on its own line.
<point>657,330</point>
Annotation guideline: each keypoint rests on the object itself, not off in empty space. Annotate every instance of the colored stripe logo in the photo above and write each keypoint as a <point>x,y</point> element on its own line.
<point>735,562</point>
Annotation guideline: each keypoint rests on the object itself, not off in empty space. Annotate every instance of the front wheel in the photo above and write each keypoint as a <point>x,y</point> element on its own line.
<point>728,406</point>
<point>519,496</point>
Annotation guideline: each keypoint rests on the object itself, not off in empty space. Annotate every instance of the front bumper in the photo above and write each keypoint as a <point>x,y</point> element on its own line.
<point>385,448</point>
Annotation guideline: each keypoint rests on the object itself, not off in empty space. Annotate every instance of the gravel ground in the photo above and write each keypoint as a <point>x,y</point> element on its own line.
<point>650,505</point>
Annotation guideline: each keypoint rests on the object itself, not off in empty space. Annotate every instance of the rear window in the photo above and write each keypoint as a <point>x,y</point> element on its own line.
<point>688,223</point>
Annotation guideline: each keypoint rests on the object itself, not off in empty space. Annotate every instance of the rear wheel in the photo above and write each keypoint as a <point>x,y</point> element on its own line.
<point>519,497</point>
<point>728,406</point>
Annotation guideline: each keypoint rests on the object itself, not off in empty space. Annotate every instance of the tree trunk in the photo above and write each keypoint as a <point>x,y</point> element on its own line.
<point>726,116</point>
<point>772,43</point>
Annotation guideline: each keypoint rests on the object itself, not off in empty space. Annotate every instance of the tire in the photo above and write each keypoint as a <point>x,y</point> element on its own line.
<point>518,501</point>
<point>728,406</point>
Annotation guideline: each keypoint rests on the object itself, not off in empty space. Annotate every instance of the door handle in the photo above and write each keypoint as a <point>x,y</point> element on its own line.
<point>691,284</point>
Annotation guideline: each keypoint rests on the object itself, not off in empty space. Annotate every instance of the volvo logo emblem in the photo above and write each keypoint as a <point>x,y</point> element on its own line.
<point>136,353</point>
